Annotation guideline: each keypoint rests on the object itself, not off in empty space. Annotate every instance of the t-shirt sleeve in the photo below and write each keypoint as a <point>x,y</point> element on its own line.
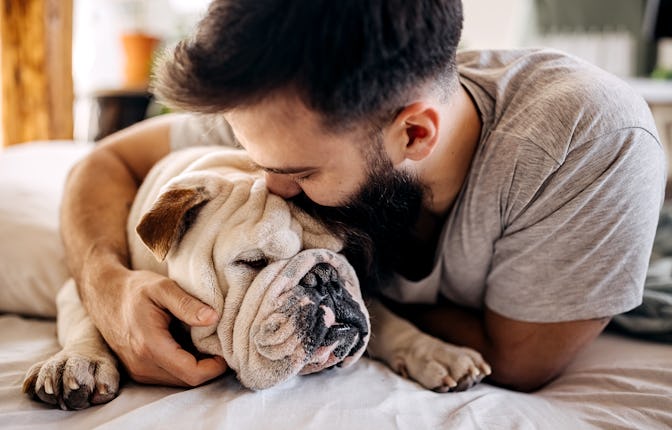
<point>188,130</point>
<point>576,244</point>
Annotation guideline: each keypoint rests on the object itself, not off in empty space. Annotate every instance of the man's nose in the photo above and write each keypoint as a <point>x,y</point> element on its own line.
<point>282,185</point>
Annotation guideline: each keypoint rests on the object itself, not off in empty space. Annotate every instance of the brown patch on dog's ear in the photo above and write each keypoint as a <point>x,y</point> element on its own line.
<point>164,224</point>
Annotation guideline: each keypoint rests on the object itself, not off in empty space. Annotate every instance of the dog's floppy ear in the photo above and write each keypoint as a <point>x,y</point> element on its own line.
<point>169,218</point>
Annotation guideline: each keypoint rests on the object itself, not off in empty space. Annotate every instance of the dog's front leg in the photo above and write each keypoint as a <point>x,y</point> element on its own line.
<point>84,372</point>
<point>435,364</point>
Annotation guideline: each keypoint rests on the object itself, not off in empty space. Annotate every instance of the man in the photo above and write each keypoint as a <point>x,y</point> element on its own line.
<point>531,181</point>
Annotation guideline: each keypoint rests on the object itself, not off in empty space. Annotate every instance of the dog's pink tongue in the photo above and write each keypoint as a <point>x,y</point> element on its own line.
<point>329,317</point>
<point>324,356</point>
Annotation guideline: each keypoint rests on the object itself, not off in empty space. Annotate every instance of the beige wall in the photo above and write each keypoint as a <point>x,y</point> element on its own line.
<point>496,24</point>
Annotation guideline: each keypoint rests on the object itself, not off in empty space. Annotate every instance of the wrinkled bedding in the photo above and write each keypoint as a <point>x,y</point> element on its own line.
<point>617,382</point>
<point>653,318</point>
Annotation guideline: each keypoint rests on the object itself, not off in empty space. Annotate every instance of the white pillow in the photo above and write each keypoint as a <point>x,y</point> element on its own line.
<point>32,263</point>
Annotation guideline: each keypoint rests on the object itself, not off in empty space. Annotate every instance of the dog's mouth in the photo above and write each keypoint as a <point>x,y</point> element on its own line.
<point>312,316</point>
<point>321,314</point>
<point>332,322</point>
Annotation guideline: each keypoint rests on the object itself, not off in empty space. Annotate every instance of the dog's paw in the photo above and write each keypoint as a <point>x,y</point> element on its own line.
<point>73,380</point>
<point>440,366</point>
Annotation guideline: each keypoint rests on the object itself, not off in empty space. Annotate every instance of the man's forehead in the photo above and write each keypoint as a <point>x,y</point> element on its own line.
<point>279,106</point>
<point>252,128</point>
<point>280,148</point>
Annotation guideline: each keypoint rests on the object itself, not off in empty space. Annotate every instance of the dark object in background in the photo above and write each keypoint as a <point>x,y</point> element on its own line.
<point>117,109</point>
<point>645,20</point>
<point>659,23</point>
<point>652,319</point>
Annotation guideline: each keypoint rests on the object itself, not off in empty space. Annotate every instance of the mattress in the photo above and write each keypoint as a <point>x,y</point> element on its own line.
<point>616,382</point>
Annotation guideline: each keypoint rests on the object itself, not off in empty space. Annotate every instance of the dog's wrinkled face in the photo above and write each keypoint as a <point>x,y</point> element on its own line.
<point>289,303</point>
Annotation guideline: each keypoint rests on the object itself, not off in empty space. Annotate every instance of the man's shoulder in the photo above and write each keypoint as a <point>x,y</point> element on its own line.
<point>553,99</point>
<point>547,74</point>
<point>535,77</point>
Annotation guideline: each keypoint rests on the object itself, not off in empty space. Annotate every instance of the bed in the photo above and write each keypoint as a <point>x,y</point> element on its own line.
<point>617,382</point>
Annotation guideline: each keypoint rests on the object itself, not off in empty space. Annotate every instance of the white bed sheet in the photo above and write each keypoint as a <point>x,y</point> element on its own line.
<point>615,383</point>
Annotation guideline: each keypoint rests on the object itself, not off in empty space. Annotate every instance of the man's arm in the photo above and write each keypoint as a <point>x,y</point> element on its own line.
<point>524,356</point>
<point>132,309</point>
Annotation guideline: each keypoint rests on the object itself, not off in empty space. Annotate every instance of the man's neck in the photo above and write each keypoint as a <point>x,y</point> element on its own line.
<point>446,169</point>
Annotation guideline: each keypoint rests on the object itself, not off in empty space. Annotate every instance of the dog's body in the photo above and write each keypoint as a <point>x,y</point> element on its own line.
<point>289,303</point>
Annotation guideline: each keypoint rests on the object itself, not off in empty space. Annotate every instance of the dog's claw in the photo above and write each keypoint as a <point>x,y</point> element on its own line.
<point>48,386</point>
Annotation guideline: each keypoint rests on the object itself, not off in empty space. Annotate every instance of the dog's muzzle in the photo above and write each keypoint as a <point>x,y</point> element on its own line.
<point>333,325</point>
<point>311,317</point>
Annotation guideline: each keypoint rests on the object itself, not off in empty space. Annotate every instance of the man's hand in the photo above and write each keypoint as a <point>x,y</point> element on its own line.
<point>133,314</point>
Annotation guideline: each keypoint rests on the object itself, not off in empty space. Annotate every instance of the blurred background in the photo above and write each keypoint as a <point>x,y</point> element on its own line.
<point>78,69</point>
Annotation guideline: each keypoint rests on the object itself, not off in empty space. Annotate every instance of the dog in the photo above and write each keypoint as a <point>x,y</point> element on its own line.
<point>289,303</point>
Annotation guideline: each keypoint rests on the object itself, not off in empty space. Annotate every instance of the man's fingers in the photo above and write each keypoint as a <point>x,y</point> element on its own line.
<point>183,306</point>
<point>158,376</point>
<point>184,366</point>
<point>166,363</point>
<point>208,369</point>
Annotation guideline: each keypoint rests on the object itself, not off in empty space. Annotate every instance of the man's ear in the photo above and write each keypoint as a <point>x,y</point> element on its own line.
<point>169,218</point>
<point>414,132</point>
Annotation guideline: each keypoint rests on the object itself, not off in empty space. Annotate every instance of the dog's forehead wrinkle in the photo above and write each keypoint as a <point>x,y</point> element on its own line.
<point>282,248</point>
<point>314,234</point>
<point>276,210</point>
<point>250,205</point>
<point>278,242</point>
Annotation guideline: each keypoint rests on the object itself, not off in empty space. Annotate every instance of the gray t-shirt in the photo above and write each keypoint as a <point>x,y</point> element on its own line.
<point>555,221</point>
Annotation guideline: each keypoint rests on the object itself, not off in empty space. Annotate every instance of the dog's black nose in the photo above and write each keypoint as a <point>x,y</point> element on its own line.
<point>323,281</point>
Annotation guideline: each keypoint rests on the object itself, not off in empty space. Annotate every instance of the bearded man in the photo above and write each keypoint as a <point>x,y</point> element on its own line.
<point>505,200</point>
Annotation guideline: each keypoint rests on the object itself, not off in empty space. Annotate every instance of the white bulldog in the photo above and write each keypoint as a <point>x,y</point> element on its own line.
<point>288,302</point>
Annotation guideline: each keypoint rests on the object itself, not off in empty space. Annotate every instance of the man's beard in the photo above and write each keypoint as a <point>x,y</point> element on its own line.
<point>377,223</point>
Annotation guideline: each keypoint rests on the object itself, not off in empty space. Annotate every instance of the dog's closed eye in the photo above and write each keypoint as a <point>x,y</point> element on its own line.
<point>254,259</point>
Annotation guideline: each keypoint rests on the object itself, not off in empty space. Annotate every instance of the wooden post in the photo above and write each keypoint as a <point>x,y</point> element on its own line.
<point>36,63</point>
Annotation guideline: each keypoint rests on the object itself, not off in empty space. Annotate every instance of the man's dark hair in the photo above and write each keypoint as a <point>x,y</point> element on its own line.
<point>346,59</point>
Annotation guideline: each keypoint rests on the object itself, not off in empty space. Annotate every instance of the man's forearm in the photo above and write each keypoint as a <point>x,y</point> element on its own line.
<point>95,207</point>
<point>99,193</point>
